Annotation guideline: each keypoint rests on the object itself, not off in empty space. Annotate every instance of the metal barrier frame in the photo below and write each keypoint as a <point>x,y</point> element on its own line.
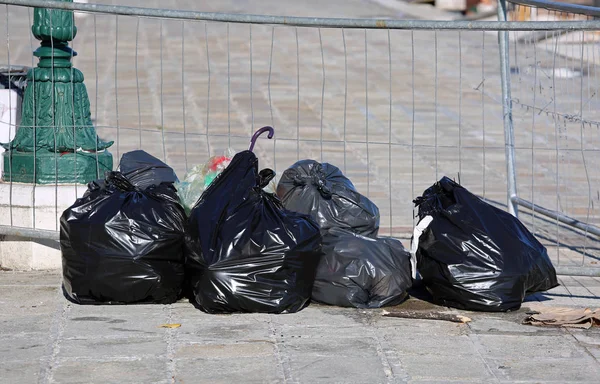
<point>514,201</point>
<point>502,26</point>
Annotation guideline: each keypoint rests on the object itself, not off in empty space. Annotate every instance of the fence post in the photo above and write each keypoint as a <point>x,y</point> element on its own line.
<point>56,141</point>
<point>509,134</point>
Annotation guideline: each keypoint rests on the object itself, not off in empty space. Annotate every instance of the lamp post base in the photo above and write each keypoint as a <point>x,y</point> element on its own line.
<point>55,168</point>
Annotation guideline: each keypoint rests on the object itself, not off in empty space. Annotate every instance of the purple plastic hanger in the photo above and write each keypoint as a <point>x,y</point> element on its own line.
<point>258,133</point>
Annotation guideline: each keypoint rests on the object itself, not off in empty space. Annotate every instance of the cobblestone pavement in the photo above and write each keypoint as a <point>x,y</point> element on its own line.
<point>44,338</point>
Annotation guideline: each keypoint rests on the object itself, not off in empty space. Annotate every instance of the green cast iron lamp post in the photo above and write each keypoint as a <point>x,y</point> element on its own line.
<point>56,141</point>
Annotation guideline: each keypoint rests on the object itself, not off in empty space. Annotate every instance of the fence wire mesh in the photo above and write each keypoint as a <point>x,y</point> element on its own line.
<point>394,109</point>
<point>554,77</point>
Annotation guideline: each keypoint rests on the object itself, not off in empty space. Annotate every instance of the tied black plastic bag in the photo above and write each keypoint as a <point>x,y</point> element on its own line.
<point>358,271</point>
<point>144,170</point>
<point>474,256</point>
<point>121,244</point>
<point>245,253</point>
<point>323,192</point>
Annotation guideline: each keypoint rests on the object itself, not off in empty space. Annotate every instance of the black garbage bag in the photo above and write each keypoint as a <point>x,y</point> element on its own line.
<point>475,256</point>
<point>245,253</point>
<point>144,170</point>
<point>362,272</point>
<point>323,192</point>
<point>121,244</point>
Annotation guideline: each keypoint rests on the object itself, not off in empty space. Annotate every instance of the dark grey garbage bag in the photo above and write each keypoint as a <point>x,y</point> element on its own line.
<point>143,170</point>
<point>358,271</point>
<point>323,192</point>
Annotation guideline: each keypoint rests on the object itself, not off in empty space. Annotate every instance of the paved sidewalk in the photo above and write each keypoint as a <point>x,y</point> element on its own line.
<point>44,338</point>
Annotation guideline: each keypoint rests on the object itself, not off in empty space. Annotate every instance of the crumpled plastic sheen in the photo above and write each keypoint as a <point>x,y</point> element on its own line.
<point>475,256</point>
<point>122,244</point>
<point>244,252</point>
<point>323,192</point>
<point>144,170</point>
<point>358,271</point>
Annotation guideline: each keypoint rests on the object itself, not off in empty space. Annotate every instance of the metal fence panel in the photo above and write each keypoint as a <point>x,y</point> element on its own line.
<point>395,104</point>
<point>555,113</point>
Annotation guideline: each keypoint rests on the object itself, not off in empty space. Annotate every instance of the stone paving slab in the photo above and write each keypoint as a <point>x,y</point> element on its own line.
<point>125,344</point>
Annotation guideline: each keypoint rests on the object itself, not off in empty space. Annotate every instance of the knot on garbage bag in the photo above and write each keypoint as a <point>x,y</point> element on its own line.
<point>264,177</point>
<point>317,180</point>
<point>322,186</point>
<point>118,180</point>
<point>298,180</point>
<point>437,198</point>
<point>317,177</point>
